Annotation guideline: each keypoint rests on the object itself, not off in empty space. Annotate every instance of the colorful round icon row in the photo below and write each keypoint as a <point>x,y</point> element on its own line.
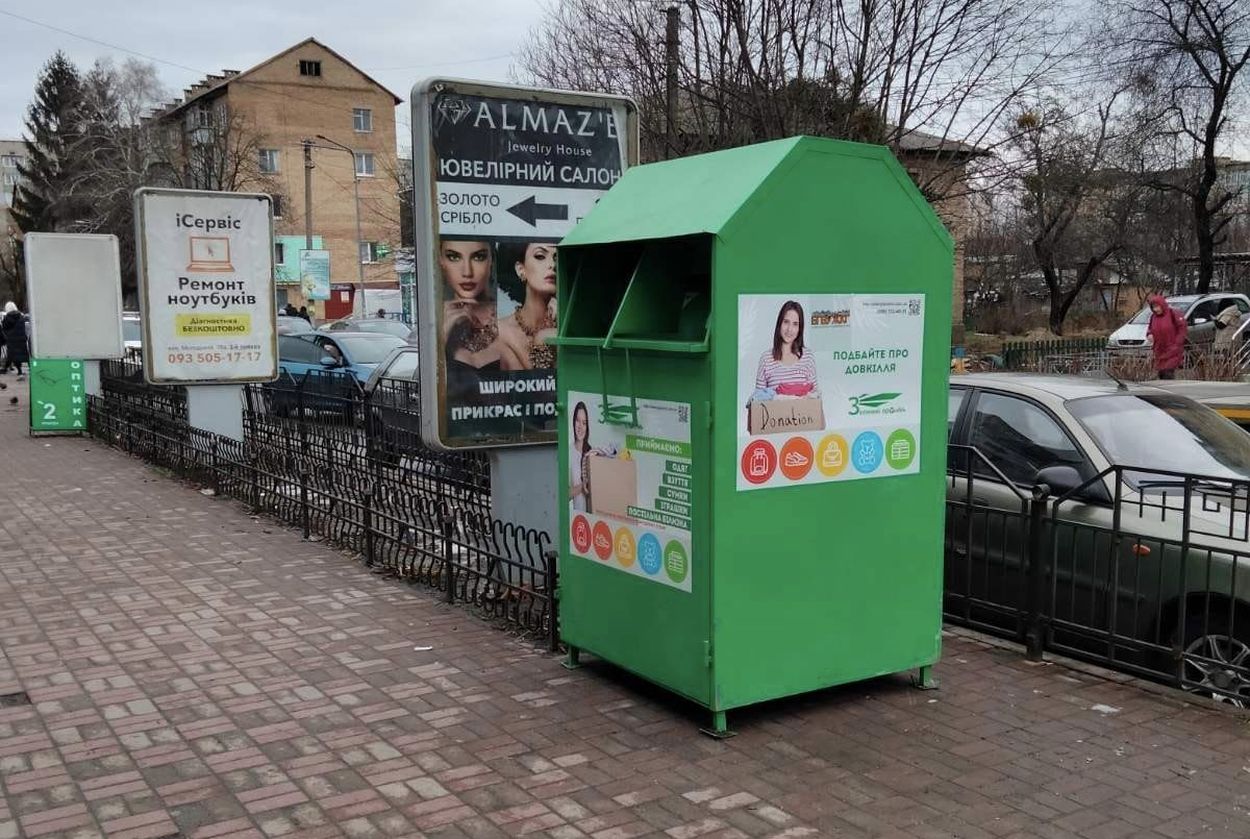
<point>599,540</point>
<point>831,456</point>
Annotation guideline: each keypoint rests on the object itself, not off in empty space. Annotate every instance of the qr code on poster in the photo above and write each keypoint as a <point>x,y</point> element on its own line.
<point>683,414</point>
<point>913,307</point>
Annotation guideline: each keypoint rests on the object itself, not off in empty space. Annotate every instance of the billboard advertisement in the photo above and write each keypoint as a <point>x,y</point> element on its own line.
<point>207,286</point>
<point>502,174</point>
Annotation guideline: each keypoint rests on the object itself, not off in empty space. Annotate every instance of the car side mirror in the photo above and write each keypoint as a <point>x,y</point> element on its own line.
<point>1064,479</point>
<point>329,361</point>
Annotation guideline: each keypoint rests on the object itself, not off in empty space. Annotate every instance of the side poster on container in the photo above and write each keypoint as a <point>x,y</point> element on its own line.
<point>632,492</point>
<point>207,287</point>
<point>501,175</point>
<point>829,387</point>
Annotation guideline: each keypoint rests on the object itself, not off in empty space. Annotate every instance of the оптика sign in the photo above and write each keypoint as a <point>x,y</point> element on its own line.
<point>58,396</point>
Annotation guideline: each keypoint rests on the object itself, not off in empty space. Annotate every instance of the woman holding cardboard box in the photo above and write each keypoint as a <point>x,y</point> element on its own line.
<point>579,479</point>
<point>788,369</point>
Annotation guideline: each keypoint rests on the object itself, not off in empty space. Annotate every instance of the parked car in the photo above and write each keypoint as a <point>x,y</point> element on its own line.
<point>353,353</point>
<point>292,325</point>
<point>1167,567</point>
<point>1199,311</point>
<point>1230,400</point>
<point>394,401</point>
<point>132,334</point>
<point>385,326</point>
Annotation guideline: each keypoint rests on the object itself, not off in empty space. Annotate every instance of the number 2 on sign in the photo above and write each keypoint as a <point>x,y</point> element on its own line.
<point>49,411</point>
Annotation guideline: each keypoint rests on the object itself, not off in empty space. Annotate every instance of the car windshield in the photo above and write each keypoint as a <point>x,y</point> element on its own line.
<point>1164,431</point>
<point>131,330</point>
<point>384,327</point>
<point>368,349</point>
<point>1141,317</point>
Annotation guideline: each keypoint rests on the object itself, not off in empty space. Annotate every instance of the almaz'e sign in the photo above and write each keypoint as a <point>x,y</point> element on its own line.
<point>531,118</point>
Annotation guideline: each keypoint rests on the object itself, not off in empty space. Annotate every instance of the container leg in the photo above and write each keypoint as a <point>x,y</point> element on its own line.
<point>924,679</point>
<point>719,730</point>
<point>573,660</point>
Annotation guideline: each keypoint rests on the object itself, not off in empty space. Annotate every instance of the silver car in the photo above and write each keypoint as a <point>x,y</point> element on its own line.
<point>1199,311</point>
<point>1142,543</point>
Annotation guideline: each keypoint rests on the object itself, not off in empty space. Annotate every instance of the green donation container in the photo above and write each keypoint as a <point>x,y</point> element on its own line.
<point>752,372</point>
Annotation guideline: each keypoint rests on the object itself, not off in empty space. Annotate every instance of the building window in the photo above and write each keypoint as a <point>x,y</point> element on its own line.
<point>268,161</point>
<point>275,201</point>
<point>364,163</point>
<point>279,253</point>
<point>368,252</point>
<point>9,161</point>
<point>309,68</point>
<point>362,120</point>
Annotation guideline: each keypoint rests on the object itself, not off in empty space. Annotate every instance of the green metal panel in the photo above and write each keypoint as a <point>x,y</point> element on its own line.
<point>698,194</point>
<point>793,587</point>
<point>832,583</point>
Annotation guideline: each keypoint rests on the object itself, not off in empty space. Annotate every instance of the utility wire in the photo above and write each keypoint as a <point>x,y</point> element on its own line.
<point>34,22</point>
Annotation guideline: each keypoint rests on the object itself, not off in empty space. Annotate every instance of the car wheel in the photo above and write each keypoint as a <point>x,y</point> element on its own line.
<point>1215,661</point>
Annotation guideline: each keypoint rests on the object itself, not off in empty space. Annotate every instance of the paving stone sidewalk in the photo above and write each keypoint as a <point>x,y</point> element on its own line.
<point>195,672</point>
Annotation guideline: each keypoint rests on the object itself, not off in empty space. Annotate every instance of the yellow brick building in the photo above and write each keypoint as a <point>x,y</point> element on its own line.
<point>246,131</point>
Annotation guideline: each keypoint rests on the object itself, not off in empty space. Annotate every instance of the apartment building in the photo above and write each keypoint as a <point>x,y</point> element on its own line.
<point>247,131</point>
<point>12,153</point>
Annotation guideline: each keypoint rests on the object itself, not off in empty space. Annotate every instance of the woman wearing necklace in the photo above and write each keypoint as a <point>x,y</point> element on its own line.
<point>470,332</point>
<point>523,334</point>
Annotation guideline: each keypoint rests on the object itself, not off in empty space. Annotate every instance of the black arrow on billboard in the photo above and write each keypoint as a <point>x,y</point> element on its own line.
<point>530,211</point>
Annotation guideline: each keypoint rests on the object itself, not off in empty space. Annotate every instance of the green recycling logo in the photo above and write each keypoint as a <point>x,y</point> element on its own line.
<point>868,404</point>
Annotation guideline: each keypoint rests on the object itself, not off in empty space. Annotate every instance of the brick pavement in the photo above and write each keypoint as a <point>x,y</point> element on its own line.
<point>195,672</point>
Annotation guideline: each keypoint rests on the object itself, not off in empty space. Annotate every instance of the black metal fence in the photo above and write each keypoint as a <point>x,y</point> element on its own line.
<point>1092,356</point>
<point>321,455</point>
<point>1028,355</point>
<point>1151,578</point>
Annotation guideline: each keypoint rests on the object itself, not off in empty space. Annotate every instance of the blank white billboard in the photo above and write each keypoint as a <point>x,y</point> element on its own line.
<point>74,284</point>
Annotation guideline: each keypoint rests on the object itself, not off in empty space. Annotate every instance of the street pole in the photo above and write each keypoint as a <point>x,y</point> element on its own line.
<point>308,167</point>
<point>360,265</point>
<point>671,24</point>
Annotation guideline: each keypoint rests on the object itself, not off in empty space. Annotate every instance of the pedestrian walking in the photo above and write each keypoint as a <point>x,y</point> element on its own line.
<point>303,312</point>
<point>1167,331</point>
<point>1226,323</point>
<point>382,313</point>
<point>13,328</point>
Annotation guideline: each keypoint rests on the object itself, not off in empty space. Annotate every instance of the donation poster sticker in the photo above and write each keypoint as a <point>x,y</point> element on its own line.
<point>631,488</point>
<point>828,387</point>
<point>206,276</point>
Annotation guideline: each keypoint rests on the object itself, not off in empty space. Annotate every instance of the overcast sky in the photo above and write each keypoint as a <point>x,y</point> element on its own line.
<point>398,42</point>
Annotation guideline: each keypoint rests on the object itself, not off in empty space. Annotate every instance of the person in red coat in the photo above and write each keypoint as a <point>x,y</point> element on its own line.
<point>1167,330</point>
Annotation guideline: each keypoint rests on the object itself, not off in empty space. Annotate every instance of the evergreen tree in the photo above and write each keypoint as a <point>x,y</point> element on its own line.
<point>44,198</point>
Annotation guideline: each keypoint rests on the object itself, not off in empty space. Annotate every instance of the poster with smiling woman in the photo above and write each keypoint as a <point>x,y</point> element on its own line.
<point>829,387</point>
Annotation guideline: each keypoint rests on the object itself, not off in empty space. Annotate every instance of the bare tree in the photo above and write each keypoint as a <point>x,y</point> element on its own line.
<point>1190,56</point>
<point>1079,204</point>
<point>752,70</point>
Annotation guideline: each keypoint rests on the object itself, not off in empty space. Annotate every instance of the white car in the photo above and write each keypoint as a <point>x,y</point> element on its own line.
<point>1199,311</point>
<point>132,334</point>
